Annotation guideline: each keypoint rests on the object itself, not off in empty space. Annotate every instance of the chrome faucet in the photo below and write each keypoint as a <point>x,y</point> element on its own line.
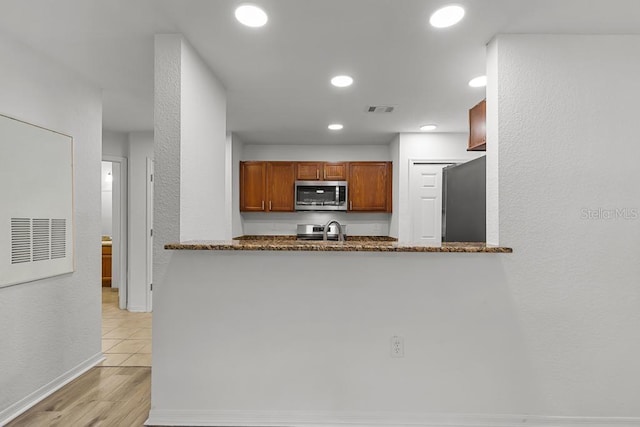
<point>326,230</point>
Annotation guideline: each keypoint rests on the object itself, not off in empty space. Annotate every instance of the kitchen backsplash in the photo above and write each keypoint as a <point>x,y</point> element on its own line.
<point>363,224</point>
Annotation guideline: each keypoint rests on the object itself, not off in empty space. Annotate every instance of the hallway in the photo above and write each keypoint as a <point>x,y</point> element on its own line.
<point>126,336</point>
<point>117,392</point>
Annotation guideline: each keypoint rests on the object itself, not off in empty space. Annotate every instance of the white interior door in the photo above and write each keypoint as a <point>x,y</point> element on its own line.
<point>426,203</point>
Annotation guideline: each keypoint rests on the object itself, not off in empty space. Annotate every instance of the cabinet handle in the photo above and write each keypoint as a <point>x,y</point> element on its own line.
<point>317,174</point>
<point>269,204</point>
<point>350,205</point>
<point>263,205</point>
<point>325,174</point>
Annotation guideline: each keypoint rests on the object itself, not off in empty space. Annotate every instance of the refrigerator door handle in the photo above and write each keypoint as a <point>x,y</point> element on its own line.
<point>444,205</point>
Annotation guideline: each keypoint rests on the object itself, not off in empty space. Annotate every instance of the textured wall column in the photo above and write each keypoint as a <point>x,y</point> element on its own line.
<point>166,204</point>
<point>190,149</point>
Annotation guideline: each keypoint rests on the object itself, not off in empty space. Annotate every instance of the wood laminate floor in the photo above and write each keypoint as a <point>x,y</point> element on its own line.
<point>117,393</point>
<point>104,396</point>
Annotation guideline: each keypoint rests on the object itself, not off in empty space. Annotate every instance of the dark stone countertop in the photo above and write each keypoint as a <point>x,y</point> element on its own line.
<point>353,244</point>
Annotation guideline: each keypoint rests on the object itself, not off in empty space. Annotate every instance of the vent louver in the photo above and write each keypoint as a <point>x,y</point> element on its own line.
<point>38,239</point>
<point>20,240</point>
<point>58,238</point>
<point>41,239</point>
<point>380,108</point>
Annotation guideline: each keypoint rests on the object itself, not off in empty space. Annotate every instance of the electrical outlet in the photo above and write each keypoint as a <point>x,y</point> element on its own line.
<point>397,346</point>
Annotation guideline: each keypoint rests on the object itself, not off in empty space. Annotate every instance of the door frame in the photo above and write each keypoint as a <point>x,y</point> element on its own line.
<point>120,240</point>
<point>149,240</point>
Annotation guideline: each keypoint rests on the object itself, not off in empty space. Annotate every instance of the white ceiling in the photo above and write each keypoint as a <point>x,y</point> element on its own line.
<point>277,77</point>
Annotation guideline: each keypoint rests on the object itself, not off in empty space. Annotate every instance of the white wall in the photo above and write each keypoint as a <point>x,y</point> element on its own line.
<point>367,224</point>
<point>166,203</point>
<point>302,346</point>
<point>190,188</point>
<point>140,149</point>
<point>203,125</point>
<point>50,328</point>
<point>279,223</point>
<point>237,222</point>
<point>436,147</point>
<point>567,144</point>
<point>327,153</point>
<point>492,183</point>
<point>115,144</point>
<point>394,151</point>
<point>107,200</point>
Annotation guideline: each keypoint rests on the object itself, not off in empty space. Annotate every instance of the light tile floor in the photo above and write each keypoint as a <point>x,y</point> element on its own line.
<point>126,336</point>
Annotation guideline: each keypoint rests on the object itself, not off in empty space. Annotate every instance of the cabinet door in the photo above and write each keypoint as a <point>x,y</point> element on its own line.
<point>308,171</point>
<point>280,186</point>
<point>370,186</point>
<point>253,179</point>
<point>335,171</point>
<point>477,127</point>
<point>106,265</point>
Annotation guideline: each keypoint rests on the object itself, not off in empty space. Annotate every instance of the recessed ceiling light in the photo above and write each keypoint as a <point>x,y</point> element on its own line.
<point>446,16</point>
<point>251,15</point>
<point>480,81</point>
<point>428,127</point>
<point>335,126</point>
<point>342,81</point>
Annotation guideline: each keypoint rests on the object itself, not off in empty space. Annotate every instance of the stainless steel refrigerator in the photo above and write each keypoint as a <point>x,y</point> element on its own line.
<point>464,203</point>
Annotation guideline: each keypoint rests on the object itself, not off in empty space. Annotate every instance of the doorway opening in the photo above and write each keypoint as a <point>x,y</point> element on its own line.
<point>126,335</point>
<point>114,228</point>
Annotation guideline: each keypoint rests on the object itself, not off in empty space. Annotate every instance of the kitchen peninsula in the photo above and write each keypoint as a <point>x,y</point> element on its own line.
<point>274,331</point>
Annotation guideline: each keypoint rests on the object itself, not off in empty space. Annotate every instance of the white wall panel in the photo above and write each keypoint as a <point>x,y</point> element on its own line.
<point>50,328</point>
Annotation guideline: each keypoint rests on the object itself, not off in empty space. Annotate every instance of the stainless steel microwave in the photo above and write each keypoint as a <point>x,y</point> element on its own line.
<point>321,195</point>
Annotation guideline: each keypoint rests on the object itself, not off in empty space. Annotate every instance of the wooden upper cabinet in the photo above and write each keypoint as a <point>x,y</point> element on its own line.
<point>478,127</point>
<point>253,189</point>
<point>270,186</point>
<point>370,186</point>
<point>281,178</point>
<point>321,171</point>
<point>309,171</point>
<point>335,171</point>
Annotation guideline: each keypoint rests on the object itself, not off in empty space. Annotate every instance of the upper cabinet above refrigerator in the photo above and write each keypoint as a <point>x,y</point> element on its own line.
<point>477,127</point>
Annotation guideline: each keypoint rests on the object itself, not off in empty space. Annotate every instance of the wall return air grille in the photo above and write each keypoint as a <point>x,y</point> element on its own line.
<point>36,212</point>
<point>38,239</point>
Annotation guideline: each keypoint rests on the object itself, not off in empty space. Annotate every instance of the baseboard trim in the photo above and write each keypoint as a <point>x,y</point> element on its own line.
<point>24,404</point>
<point>328,419</point>
<point>137,309</point>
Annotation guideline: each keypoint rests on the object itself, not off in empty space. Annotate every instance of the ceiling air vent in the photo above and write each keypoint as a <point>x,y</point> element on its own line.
<point>380,108</point>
